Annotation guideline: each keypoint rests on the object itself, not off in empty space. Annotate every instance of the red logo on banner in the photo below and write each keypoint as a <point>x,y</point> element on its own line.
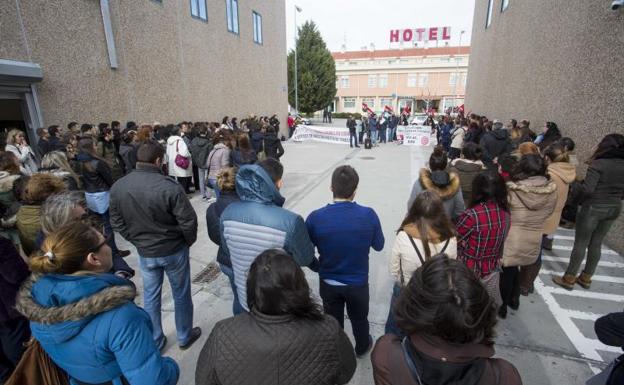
<point>424,140</point>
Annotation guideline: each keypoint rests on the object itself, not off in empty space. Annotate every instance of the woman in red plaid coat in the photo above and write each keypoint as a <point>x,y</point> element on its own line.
<point>483,228</point>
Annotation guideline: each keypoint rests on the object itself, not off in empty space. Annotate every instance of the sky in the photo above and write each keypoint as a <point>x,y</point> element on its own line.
<point>362,22</point>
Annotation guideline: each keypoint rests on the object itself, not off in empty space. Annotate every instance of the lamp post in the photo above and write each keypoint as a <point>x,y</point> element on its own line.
<point>457,68</point>
<point>297,10</point>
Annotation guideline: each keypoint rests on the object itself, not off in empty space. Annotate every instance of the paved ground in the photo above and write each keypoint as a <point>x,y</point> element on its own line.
<point>550,339</point>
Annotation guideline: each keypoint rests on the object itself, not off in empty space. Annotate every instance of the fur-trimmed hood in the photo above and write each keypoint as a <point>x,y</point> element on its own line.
<point>60,306</point>
<point>533,192</point>
<point>445,192</point>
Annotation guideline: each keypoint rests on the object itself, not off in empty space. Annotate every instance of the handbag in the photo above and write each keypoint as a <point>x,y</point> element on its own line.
<point>262,154</point>
<point>611,375</point>
<point>36,367</point>
<point>492,286</point>
<point>181,161</point>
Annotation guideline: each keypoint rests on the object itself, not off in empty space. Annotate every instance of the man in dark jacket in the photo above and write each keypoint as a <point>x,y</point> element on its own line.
<point>152,211</point>
<point>14,328</point>
<point>495,143</point>
<point>258,223</point>
<point>351,125</point>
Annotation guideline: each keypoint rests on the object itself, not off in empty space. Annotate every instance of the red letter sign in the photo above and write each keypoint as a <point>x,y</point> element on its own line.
<point>433,33</point>
<point>446,33</point>
<point>394,36</point>
<point>407,35</point>
<point>420,32</point>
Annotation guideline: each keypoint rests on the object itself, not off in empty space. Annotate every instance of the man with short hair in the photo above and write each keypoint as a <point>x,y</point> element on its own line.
<point>73,128</point>
<point>343,233</point>
<point>351,125</point>
<point>495,143</point>
<point>258,223</point>
<point>152,211</point>
<point>43,145</point>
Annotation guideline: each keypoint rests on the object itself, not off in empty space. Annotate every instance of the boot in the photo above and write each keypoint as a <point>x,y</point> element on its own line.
<point>584,280</point>
<point>567,281</point>
<point>547,244</point>
<point>527,277</point>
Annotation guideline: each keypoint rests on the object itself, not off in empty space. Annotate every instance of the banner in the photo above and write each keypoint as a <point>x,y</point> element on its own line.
<point>415,135</point>
<point>321,134</point>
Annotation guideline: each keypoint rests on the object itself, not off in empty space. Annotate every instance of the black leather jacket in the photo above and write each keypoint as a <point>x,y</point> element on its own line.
<point>96,174</point>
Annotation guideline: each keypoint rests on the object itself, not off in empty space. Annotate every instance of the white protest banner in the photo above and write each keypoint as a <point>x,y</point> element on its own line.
<point>321,134</point>
<point>415,135</point>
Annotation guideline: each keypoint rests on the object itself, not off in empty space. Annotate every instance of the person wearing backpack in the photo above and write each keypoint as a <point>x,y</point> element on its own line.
<point>449,319</point>
<point>425,231</point>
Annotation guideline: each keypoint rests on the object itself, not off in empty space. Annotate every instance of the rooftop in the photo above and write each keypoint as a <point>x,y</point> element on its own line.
<point>408,52</point>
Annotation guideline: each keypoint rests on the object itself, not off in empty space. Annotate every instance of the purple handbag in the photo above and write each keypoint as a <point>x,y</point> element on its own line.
<point>181,161</point>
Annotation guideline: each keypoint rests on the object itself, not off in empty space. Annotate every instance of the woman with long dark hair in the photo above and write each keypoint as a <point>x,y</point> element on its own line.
<point>448,318</point>
<point>425,231</point>
<point>284,339</point>
<point>603,189</point>
<point>550,135</point>
<point>244,153</point>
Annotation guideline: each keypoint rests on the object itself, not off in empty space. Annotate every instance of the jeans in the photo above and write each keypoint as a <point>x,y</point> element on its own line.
<point>196,177</point>
<point>119,264</point>
<point>178,270</point>
<point>510,285</point>
<point>373,136</point>
<point>356,298</point>
<point>391,133</point>
<point>353,140</point>
<point>236,306</point>
<point>202,182</point>
<point>391,326</point>
<point>13,334</point>
<point>212,183</point>
<point>382,135</point>
<point>593,222</point>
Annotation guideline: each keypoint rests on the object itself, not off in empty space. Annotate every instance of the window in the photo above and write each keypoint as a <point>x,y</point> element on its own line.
<point>257,27</point>
<point>453,79</point>
<point>383,102</point>
<point>504,5</point>
<point>344,81</point>
<point>423,79</point>
<point>488,17</point>
<point>370,102</point>
<point>348,102</point>
<point>198,9</point>
<point>372,81</point>
<point>383,81</point>
<point>231,12</point>
<point>464,78</point>
<point>412,80</point>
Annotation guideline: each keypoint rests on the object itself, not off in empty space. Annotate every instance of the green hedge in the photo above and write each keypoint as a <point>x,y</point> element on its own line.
<point>345,115</point>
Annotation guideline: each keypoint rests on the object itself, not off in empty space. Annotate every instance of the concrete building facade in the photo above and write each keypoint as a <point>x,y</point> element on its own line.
<point>414,77</point>
<point>557,60</point>
<point>141,60</point>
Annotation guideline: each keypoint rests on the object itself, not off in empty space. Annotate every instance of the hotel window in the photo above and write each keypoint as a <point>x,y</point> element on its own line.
<point>423,79</point>
<point>453,79</point>
<point>412,80</point>
<point>257,27</point>
<point>488,17</point>
<point>198,9</point>
<point>383,81</point>
<point>231,12</point>
<point>344,81</point>
<point>370,102</point>
<point>372,81</point>
<point>504,5</point>
<point>348,102</point>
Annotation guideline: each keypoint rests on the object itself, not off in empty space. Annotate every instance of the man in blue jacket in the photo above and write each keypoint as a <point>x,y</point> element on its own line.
<point>343,233</point>
<point>258,223</point>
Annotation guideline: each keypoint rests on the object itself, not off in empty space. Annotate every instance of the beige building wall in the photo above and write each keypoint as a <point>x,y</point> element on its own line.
<point>172,67</point>
<point>556,60</point>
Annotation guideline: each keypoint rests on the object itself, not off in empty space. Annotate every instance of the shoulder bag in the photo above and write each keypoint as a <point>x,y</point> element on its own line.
<point>181,161</point>
<point>36,367</point>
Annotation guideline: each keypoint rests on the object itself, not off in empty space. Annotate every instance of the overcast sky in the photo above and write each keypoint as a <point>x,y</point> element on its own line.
<point>361,22</point>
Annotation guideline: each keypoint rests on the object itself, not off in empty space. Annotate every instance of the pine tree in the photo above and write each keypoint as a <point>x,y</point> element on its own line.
<point>316,71</point>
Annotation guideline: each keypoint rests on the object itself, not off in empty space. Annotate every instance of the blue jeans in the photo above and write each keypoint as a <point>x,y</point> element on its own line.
<point>178,271</point>
<point>373,135</point>
<point>119,264</point>
<point>202,181</point>
<point>391,132</point>
<point>391,326</point>
<point>236,306</point>
<point>212,183</point>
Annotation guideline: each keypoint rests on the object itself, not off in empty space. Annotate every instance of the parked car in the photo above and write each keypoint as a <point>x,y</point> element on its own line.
<point>304,120</point>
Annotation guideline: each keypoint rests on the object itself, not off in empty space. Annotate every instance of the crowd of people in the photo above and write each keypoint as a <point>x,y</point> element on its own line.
<point>469,246</point>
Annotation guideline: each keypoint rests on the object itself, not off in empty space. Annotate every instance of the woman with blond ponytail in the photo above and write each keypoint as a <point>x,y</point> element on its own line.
<point>85,318</point>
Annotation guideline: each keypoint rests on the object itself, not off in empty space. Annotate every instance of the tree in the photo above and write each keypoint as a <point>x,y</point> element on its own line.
<point>316,71</point>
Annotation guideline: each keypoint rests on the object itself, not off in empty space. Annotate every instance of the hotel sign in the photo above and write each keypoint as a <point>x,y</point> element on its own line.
<point>420,34</point>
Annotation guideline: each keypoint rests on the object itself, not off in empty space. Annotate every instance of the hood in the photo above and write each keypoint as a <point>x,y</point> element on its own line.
<point>172,139</point>
<point>564,171</point>
<point>468,165</point>
<point>57,172</point>
<point>219,146</point>
<point>7,180</point>
<point>200,142</point>
<point>533,192</point>
<point>253,184</point>
<point>412,231</point>
<point>500,134</point>
<point>60,306</point>
<point>445,192</point>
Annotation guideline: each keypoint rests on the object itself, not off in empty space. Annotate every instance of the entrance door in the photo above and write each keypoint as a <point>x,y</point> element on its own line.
<point>18,109</point>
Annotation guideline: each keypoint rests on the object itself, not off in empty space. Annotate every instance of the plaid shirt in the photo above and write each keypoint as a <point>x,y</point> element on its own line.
<point>482,230</point>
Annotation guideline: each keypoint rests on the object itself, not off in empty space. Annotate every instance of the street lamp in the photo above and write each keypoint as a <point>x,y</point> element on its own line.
<point>457,68</point>
<point>297,10</point>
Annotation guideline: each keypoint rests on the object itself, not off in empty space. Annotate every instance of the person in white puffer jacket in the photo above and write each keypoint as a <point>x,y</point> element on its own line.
<point>177,146</point>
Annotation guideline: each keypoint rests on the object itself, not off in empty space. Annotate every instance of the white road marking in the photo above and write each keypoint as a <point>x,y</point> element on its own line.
<point>581,293</point>
<point>599,278</point>
<point>569,248</point>
<point>567,259</point>
<point>581,315</point>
